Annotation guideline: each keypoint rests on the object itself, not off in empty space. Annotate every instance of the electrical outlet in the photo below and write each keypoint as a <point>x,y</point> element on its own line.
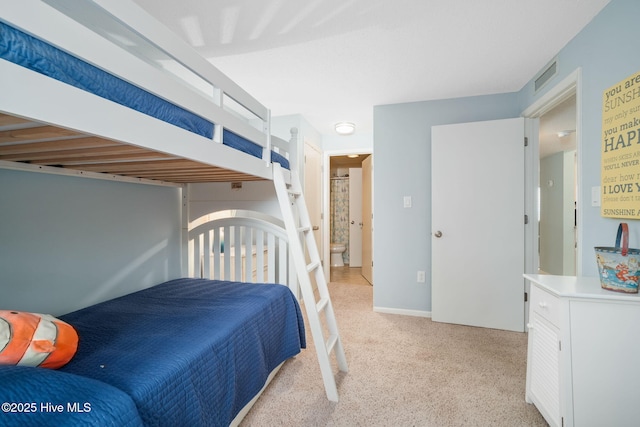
<point>421,276</point>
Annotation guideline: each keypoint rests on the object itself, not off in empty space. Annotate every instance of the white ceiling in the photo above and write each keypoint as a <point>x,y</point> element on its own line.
<point>333,60</point>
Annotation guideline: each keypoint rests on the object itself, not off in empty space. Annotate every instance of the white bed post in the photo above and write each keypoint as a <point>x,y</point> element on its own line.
<point>294,163</point>
<point>266,151</point>
<point>218,96</point>
<point>294,283</point>
<point>185,253</point>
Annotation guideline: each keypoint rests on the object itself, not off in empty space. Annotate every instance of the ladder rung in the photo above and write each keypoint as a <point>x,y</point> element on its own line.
<point>313,266</point>
<point>291,200</point>
<point>322,304</point>
<point>331,342</point>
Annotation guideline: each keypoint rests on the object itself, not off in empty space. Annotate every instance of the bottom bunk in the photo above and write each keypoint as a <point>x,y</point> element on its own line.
<point>185,352</point>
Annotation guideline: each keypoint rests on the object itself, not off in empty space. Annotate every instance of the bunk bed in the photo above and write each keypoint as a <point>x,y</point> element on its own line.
<point>84,91</point>
<point>99,89</point>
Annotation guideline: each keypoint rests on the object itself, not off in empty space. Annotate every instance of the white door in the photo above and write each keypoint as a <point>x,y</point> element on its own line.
<point>478,224</point>
<point>312,194</point>
<point>367,219</point>
<point>355,217</point>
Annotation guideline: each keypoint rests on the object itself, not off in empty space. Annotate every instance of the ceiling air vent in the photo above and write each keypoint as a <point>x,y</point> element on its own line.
<point>545,76</point>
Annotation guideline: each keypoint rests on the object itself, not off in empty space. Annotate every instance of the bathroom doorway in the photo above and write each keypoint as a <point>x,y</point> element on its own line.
<point>344,219</point>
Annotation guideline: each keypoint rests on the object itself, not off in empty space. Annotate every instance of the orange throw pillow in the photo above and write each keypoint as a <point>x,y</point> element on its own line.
<point>34,339</point>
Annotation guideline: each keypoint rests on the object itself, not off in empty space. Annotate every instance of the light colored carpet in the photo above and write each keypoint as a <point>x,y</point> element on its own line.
<point>403,371</point>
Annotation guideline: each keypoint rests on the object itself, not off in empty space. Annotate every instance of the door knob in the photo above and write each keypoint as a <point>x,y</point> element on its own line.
<point>438,234</point>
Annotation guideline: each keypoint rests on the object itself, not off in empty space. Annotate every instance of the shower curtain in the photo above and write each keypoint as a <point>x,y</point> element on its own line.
<point>339,194</point>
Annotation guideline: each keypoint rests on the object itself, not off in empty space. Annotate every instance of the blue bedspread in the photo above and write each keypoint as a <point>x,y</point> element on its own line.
<point>43,397</point>
<point>190,351</point>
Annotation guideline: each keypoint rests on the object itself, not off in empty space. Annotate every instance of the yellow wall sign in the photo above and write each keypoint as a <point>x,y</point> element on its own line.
<point>621,149</point>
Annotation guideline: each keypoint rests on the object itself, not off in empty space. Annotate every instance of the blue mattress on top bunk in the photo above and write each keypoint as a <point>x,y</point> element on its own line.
<point>186,352</point>
<point>34,54</point>
<point>239,143</point>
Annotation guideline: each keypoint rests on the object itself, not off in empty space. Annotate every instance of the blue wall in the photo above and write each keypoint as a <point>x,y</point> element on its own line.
<point>402,152</point>
<point>606,51</point>
<point>68,242</point>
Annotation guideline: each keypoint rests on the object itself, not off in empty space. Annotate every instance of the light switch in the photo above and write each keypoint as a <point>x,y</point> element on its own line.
<point>407,201</point>
<point>595,196</point>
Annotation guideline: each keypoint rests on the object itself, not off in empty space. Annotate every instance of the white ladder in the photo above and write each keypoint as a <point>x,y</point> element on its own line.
<point>291,198</point>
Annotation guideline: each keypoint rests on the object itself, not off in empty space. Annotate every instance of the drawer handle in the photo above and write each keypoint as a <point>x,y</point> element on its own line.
<point>542,304</point>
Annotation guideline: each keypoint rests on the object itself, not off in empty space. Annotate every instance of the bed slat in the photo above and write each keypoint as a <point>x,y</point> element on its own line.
<point>259,256</point>
<point>7,120</point>
<point>244,240</point>
<point>237,250</point>
<point>248,253</point>
<point>205,257</point>
<point>271,258</point>
<point>197,251</point>
<point>282,260</point>
<point>34,133</point>
<point>216,253</point>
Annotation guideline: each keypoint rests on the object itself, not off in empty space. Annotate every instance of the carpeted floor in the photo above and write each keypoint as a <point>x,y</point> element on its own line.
<point>403,371</point>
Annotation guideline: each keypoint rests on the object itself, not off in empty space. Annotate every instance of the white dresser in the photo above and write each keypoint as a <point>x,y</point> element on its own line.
<point>583,361</point>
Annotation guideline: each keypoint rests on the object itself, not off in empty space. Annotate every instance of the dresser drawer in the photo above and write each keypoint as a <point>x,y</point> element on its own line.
<point>545,304</point>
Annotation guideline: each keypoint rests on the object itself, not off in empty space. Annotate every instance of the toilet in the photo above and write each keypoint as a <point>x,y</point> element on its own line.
<point>337,250</point>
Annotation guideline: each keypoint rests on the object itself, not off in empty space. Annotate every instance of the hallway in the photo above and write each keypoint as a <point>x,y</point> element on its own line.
<point>346,274</point>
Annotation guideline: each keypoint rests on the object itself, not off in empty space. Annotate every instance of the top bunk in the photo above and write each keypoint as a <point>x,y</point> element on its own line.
<point>99,87</point>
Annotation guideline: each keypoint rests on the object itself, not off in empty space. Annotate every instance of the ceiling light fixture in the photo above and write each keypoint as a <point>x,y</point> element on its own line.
<point>345,128</point>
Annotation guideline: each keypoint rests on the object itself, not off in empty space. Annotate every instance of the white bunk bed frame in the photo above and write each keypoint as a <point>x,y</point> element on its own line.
<point>250,249</point>
<point>28,96</point>
<point>52,127</point>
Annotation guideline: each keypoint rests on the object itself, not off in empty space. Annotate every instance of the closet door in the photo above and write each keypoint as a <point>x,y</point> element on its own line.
<point>313,190</point>
<point>313,196</point>
<point>477,222</point>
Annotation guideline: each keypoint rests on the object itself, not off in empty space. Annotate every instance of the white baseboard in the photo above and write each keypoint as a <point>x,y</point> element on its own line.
<point>415,313</point>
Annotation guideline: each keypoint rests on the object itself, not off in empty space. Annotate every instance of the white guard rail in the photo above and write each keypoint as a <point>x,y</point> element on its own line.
<point>163,64</point>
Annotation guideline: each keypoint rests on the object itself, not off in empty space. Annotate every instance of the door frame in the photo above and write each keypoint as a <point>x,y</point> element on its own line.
<point>355,203</point>
<point>309,145</point>
<point>367,263</point>
<point>326,181</point>
<point>570,85</point>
